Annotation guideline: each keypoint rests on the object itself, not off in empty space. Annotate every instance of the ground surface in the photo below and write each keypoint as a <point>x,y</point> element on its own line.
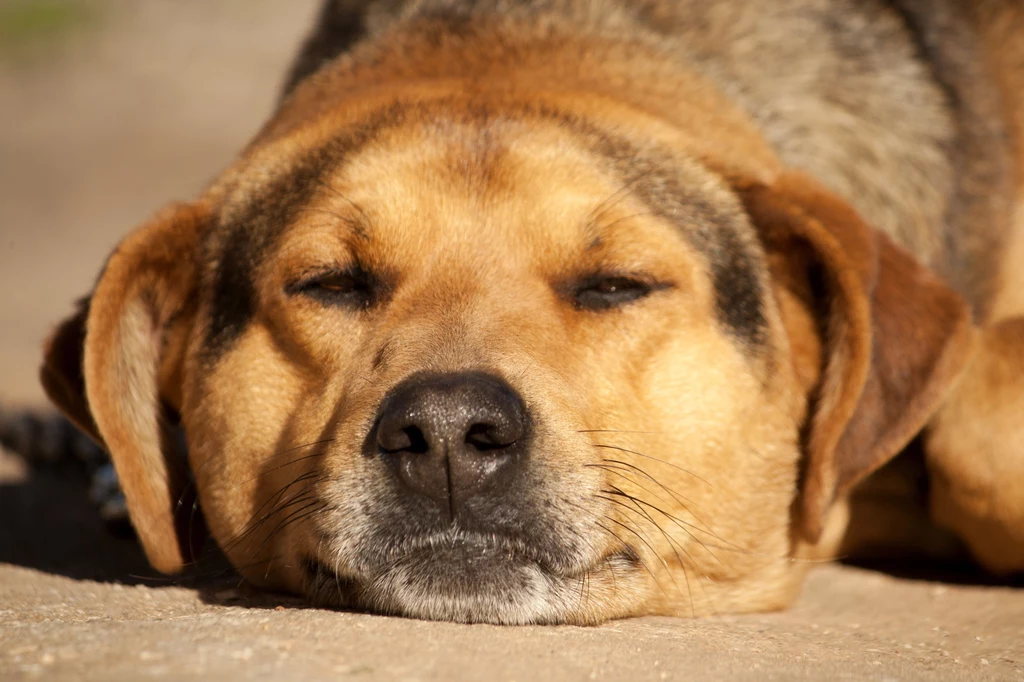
<point>107,113</point>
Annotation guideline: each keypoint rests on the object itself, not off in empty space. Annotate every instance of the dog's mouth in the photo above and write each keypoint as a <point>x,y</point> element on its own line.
<point>461,576</point>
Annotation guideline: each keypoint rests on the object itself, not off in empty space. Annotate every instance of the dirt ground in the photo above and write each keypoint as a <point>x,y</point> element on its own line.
<point>106,113</point>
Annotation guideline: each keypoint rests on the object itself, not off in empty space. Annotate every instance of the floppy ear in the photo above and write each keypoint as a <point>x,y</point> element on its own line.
<point>113,368</point>
<point>61,373</point>
<point>894,335</point>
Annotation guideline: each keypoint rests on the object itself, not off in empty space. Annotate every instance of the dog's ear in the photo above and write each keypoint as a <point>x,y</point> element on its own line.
<point>114,369</point>
<point>61,373</point>
<point>894,335</point>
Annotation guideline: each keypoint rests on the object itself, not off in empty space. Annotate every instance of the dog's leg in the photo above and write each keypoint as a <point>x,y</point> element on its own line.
<point>975,451</point>
<point>975,445</point>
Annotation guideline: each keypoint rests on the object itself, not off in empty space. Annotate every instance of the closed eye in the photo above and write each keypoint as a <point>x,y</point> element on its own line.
<point>352,288</point>
<point>603,292</point>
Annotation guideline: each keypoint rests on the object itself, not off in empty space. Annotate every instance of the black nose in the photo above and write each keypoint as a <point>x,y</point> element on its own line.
<point>453,438</point>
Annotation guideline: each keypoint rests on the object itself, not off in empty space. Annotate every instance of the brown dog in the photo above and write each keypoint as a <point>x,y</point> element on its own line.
<point>565,311</point>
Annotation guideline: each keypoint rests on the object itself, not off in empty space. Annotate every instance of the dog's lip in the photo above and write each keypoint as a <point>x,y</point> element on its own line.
<point>453,539</point>
<point>518,551</point>
<point>626,555</point>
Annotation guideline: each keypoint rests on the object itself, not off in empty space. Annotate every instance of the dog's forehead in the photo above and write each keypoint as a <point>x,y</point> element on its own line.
<point>267,199</point>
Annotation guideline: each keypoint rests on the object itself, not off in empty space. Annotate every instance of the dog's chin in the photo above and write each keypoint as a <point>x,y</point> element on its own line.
<point>453,577</point>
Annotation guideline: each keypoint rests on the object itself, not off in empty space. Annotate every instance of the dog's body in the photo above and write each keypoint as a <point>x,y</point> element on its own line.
<point>562,311</point>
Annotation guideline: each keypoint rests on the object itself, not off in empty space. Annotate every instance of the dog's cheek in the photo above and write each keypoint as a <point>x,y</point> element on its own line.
<point>250,424</point>
<point>722,436</point>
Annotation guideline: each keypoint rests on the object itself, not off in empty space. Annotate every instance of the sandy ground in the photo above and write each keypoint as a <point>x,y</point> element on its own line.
<point>143,105</point>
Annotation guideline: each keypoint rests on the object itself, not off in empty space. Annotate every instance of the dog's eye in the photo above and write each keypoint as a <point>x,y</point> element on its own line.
<point>352,288</point>
<point>602,293</point>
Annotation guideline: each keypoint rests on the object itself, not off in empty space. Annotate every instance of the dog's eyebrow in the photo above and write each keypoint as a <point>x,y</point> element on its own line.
<point>360,224</point>
<point>235,250</point>
<point>654,178</point>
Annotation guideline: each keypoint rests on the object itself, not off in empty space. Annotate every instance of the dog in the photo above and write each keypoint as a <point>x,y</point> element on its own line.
<point>567,310</point>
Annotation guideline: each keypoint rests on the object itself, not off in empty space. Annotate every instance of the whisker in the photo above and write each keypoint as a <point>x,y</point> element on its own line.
<point>593,515</point>
<point>619,471</point>
<point>278,503</point>
<point>629,468</point>
<point>687,527</point>
<point>690,528</point>
<point>334,190</point>
<point>677,522</point>
<point>282,466</point>
<point>653,551</point>
<point>304,496</point>
<point>303,512</point>
<point>202,468</point>
<point>671,464</point>
<point>672,543</point>
<point>608,226</point>
<point>611,200</point>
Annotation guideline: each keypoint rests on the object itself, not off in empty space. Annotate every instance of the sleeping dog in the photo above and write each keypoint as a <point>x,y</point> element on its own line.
<point>562,311</point>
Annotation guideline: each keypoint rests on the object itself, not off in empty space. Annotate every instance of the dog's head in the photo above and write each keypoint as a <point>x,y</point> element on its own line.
<point>486,361</point>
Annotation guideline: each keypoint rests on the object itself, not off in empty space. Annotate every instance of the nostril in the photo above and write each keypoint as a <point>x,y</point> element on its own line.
<point>417,441</point>
<point>484,437</point>
<point>410,439</point>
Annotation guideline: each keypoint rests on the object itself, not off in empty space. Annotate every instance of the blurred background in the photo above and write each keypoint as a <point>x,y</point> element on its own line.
<point>108,110</point>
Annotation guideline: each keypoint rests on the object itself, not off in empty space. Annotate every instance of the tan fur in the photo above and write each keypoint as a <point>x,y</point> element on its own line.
<point>489,185</point>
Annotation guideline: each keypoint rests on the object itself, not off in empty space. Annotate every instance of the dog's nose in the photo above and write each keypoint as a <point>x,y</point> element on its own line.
<point>452,438</point>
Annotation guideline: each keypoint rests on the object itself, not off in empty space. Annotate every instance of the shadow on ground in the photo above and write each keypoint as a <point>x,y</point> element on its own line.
<point>51,525</point>
<point>946,572</point>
